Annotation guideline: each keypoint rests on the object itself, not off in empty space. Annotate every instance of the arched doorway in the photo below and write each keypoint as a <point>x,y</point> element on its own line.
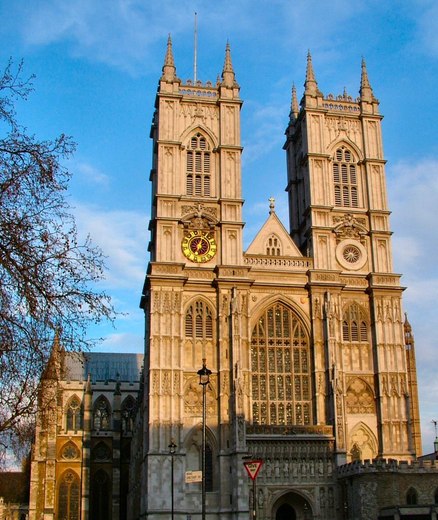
<point>286,512</point>
<point>292,506</point>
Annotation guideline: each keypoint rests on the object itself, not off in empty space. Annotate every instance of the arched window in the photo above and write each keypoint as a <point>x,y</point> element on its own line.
<point>74,415</point>
<point>100,496</point>
<point>68,498</point>
<point>411,497</point>
<point>128,412</point>
<point>199,321</point>
<point>273,246</point>
<point>435,497</point>
<point>355,324</point>
<point>281,371</point>
<point>102,414</point>
<point>198,167</point>
<point>345,178</point>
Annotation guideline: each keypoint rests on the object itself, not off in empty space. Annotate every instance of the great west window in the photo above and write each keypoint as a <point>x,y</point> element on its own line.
<point>281,371</point>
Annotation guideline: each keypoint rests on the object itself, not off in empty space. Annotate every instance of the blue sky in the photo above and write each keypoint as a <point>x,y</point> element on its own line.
<point>97,64</point>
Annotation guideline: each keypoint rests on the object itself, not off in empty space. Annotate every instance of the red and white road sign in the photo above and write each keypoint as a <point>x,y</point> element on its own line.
<point>253,467</point>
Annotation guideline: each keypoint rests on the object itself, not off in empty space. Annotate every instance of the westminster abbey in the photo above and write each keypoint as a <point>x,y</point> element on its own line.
<point>312,360</point>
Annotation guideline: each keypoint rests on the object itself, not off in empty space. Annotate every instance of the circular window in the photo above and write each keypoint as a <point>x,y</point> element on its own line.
<point>351,254</point>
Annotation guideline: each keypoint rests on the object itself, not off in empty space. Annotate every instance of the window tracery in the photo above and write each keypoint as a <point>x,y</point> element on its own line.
<point>128,413</point>
<point>68,502</point>
<point>199,321</point>
<point>198,174</point>
<point>102,414</point>
<point>74,414</point>
<point>345,178</point>
<point>355,324</point>
<point>280,363</point>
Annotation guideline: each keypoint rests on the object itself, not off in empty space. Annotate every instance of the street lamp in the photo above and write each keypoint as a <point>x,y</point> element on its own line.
<point>172,448</point>
<point>204,379</point>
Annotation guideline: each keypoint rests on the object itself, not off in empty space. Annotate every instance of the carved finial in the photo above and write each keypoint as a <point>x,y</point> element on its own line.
<point>294,109</point>
<point>271,205</point>
<point>169,70</point>
<point>409,336</point>
<point>310,85</point>
<point>228,76</point>
<point>366,92</point>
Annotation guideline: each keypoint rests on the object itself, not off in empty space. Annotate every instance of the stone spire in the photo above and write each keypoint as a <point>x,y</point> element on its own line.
<point>54,367</point>
<point>366,92</point>
<point>169,70</point>
<point>294,109</point>
<point>228,76</point>
<point>310,85</point>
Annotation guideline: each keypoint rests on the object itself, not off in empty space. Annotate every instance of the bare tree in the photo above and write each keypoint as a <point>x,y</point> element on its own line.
<point>47,277</point>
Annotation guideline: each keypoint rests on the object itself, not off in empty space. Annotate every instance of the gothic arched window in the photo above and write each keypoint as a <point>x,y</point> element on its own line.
<point>74,415</point>
<point>100,496</point>
<point>128,412</point>
<point>68,498</point>
<point>345,178</point>
<point>411,497</point>
<point>355,324</point>
<point>199,321</point>
<point>102,414</point>
<point>281,371</point>
<point>198,173</point>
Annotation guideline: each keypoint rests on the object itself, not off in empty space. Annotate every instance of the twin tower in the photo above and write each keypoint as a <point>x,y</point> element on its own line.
<point>312,363</point>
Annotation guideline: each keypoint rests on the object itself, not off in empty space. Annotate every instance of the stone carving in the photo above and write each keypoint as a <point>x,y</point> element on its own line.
<point>349,227</point>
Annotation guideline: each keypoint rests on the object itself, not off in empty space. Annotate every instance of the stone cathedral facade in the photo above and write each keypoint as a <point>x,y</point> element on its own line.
<point>312,359</point>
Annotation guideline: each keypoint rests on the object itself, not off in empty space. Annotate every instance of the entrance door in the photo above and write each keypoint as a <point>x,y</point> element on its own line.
<point>286,512</point>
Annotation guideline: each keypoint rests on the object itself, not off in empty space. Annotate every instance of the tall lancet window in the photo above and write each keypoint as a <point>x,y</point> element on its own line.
<point>345,178</point>
<point>198,180</point>
<point>281,369</point>
<point>199,321</point>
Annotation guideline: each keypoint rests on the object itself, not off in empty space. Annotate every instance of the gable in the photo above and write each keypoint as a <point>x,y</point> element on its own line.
<point>273,240</point>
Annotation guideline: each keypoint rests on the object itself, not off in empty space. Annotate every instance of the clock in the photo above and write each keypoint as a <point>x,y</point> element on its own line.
<point>199,246</point>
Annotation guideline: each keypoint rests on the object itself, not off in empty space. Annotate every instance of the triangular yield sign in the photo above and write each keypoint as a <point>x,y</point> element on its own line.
<point>253,467</point>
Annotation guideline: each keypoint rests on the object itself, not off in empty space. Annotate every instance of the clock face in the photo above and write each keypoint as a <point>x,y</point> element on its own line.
<point>199,246</point>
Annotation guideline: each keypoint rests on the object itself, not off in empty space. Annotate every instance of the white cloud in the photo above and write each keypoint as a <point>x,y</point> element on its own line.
<point>90,174</point>
<point>122,237</point>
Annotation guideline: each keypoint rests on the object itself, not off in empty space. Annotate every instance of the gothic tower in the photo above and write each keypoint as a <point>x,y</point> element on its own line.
<point>196,261</point>
<point>303,331</point>
<point>339,216</point>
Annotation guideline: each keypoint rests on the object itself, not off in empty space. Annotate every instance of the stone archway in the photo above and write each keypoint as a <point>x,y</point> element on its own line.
<point>286,512</point>
<point>292,506</point>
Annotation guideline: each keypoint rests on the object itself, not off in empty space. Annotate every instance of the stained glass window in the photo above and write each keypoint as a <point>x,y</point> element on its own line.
<point>280,364</point>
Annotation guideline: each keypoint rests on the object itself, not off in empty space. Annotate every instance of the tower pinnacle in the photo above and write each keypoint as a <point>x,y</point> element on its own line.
<point>228,76</point>
<point>294,109</point>
<point>169,70</point>
<point>310,85</point>
<point>366,92</point>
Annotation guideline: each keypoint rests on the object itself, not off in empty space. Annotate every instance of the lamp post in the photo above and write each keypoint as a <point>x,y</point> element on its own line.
<point>172,448</point>
<point>204,379</point>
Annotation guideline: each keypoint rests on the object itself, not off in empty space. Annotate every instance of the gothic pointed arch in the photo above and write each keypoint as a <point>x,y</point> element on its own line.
<point>69,496</point>
<point>412,497</point>
<point>69,451</point>
<point>360,397</point>
<point>281,385</point>
<point>128,413</point>
<point>199,164</point>
<point>198,320</point>
<point>100,498</point>
<point>346,176</point>
<point>73,414</point>
<point>102,414</point>
<point>193,447</point>
<point>362,443</point>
